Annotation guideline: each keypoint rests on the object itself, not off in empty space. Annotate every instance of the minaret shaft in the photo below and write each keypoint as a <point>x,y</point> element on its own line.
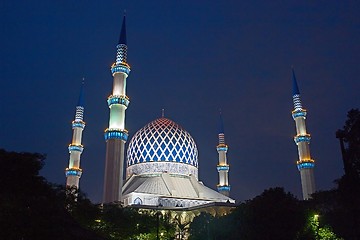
<point>305,163</point>
<point>116,135</point>
<point>119,86</point>
<point>114,164</point>
<point>302,139</point>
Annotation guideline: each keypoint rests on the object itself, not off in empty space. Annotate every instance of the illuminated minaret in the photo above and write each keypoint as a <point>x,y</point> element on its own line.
<point>73,172</point>
<point>116,134</point>
<point>305,164</point>
<point>223,168</point>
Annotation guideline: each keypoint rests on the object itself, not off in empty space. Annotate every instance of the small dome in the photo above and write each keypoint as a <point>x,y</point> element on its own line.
<point>162,146</point>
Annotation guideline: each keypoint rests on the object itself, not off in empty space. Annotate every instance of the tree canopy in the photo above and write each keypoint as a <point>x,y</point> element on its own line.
<point>30,207</point>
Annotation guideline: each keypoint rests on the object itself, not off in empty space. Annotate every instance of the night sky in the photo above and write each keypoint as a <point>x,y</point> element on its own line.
<point>190,58</point>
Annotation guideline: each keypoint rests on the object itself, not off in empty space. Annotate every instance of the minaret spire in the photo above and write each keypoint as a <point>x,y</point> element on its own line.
<point>73,172</point>
<point>121,55</point>
<point>81,95</point>
<point>296,92</point>
<point>223,168</point>
<point>122,38</point>
<point>295,85</point>
<point>116,135</point>
<point>305,163</point>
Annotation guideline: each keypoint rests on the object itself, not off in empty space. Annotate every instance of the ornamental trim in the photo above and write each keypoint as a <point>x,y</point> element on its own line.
<point>305,165</point>
<point>113,133</point>
<point>77,148</point>
<point>118,99</point>
<point>120,68</point>
<point>78,124</point>
<point>223,168</point>
<point>223,188</point>
<point>73,172</point>
<point>299,113</point>
<point>302,138</point>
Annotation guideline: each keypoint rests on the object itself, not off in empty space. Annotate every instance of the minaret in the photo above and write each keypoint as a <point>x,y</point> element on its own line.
<point>305,164</point>
<point>116,134</point>
<point>223,168</point>
<point>73,172</point>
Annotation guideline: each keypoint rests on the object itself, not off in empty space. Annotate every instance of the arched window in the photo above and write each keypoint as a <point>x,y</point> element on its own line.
<point>138,201</point>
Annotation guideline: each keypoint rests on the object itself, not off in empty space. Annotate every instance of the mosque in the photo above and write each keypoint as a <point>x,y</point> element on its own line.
<point>162,157</point>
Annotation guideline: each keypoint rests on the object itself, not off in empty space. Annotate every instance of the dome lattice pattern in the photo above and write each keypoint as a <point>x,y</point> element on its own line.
<point>162,140</point>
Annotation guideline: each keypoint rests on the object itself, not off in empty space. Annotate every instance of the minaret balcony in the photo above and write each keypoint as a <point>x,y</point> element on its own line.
<point>302,138</point>
<point>78,124</point>
<point>224,188</point>
<point>223,168</point>
<point>305,164</point>
<point>299,113</point>
<point>115,99</point>
<point>222,148</point>
<point>111,133</point>
<point>73,172</point>
<point>120,68</point>
<point>77,148</point>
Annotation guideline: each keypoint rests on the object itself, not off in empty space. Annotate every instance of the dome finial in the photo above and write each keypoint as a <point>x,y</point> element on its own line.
<point>162,112</point>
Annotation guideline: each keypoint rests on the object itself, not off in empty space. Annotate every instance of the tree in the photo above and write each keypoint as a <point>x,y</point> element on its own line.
<point>117,222</point>
<point>274,214</point>
<point>30,207</point>
<point>202,227</point>
<point>316,229</point>
<point>340,207</point>
<point>80,207</point>
<point>349,138</point>
<point>349,184</point>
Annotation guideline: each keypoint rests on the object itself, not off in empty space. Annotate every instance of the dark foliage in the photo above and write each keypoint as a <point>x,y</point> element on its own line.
<point>272,215</point>
<point>202,227</point>
<point>30,207</point>
<point>340,207</point>
<point>347,221</point>
<point>349,138</point>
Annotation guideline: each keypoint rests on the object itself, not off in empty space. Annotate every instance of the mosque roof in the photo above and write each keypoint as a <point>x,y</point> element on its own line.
<point>172,185</point>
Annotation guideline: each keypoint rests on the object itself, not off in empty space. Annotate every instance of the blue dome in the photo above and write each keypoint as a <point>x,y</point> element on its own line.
<point>161,141</point>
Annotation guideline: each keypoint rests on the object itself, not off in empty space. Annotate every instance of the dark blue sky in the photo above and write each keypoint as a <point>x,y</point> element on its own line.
<point>191,58</point>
